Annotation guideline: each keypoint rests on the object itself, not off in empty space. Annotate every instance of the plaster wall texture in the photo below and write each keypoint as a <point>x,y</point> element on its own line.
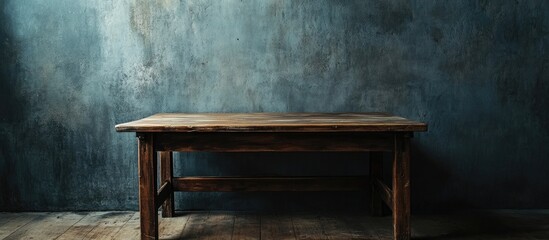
<point>476,71</point>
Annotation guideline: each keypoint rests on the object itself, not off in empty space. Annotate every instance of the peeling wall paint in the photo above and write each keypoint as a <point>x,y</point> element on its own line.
<point>476,71</point>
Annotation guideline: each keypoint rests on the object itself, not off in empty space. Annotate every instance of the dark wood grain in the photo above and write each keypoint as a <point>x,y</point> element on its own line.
<point>247,226</point>
<point>147,186</point>
<point>166,175</point>
<point>130,230</point>
<point>270,132</point>
<point>269,142</point>
<point>271,122</point>
<point>277,226</point>
<point>401,189</point>
<point>255,184</point>
<point>385,193</point>
<point>45,226</point>
<point>214,225</point>
<point>308,226</point>
<point>106,228</point>
<point>163,193</point>
<point>85,225</point>
<point>465,225</point>
<point>11,222</point>
<point>220,226</point>
<point>196,226</point>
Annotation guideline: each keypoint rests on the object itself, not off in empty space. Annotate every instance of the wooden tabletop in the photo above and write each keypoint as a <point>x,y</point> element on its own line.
<point>272,122</point>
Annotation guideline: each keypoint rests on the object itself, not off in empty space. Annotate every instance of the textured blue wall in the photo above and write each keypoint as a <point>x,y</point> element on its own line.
<point>476,71</point>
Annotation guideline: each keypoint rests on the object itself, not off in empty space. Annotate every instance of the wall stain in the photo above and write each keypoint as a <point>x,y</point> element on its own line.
<point>141,23</point>
<point>168,4</point>
<point>437,34</point>
<point>12,110</point>
<point>393,16</point>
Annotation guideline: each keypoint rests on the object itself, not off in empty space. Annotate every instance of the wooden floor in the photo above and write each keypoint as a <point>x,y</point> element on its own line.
<point>501,224</point>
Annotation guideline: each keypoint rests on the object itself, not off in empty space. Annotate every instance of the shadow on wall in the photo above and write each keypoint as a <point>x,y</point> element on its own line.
<point>11,109</point>
<point>501,224</point>
<point>429,181</point>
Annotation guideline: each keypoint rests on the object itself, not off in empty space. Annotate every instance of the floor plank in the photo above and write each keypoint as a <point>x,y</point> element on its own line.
<point>217,226</point>
<point>82,227</point>
<point>195,226</point>
<point>108,225</point>
<point>274,226</point>
<point>47,226</point>
<point>474,225</point>
<point>85,225</point>
<point>130,230</point>
<point>169,228</point>
<point>11,222</point>
<point>172,228</point>
<point>308,226</point>
<point>247,226</point>
<point>340,226</point>
<point>382,227</point>
<point>209,226</point>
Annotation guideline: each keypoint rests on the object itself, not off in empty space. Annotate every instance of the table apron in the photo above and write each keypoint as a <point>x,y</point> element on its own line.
<point>274,141</point>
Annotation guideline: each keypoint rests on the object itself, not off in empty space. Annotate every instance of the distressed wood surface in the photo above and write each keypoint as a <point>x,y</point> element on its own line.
<point>147,161</point>
<point>372,227</point>
<point>357,226</point>
<point>85,225</point>
<point>169,228</point>
<point>172,227</point>
<point>163,193</point>
<point>308,226</point>
<point>108,226</point>
<point>271,122</point>
<point>130,230</point>
<point>257,132</point>
<point>214,225</point>
<point>46,226</point>
<point>256,184</point>
<point>195,226</point>
<point>271,141</point>
<point>401,189</point>
<point>332,225</point>
<point>10,222</point>
<point>220,226</point>
<point>247,226</point>
<point>384,192</point>
<point>166,175</point>
<point>486,225</point>
<point>277,226</point>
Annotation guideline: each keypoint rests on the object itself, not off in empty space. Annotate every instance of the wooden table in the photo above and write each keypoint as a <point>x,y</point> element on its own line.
<point>269,132</point>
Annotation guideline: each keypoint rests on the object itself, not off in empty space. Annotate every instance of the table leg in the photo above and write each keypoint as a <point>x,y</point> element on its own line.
<point>401,188</point>
<point>147,186</point>
<point>376,172</point>
<point>166,174</point>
